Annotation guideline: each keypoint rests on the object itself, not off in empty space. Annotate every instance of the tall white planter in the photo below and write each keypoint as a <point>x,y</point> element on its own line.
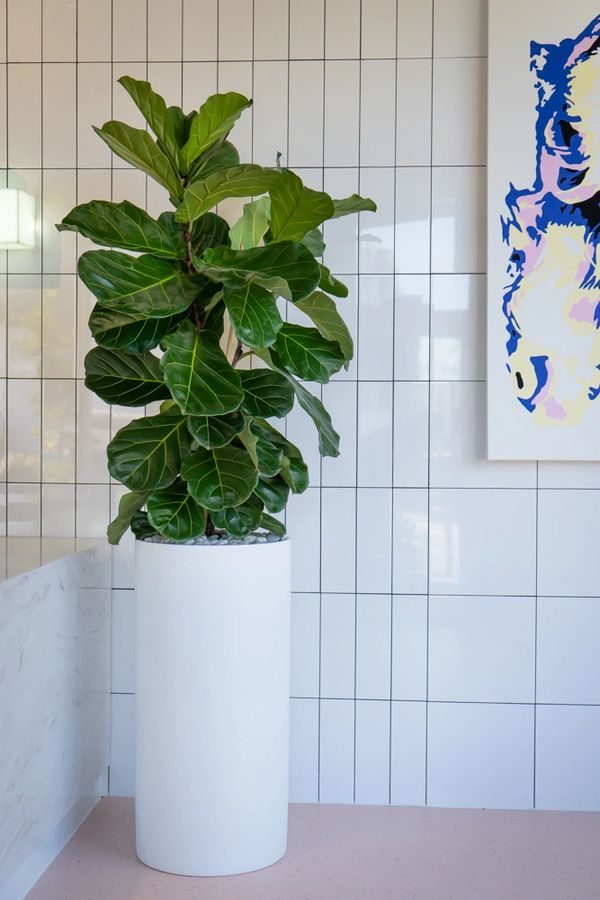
<point>212,706</point>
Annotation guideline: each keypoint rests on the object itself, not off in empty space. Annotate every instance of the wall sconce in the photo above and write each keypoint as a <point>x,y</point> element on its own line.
<point>17,220</point>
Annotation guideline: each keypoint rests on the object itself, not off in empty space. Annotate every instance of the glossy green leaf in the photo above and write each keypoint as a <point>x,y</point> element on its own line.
<point>239,520</point>
<point>129,505</point>
<point>296,209</point>
<point>238,181</point>
<point>274,493</point>
<point>253,313</point>
<point>123,379</point>
<point>154,109</point>
<point>216,431</point>
<point>220,477</point>
<point>273,525</point>
<point>198,374</point>
<point>126,226</point>
<point>224,156</point>
<point>137,285</point>
<point>216,117</point>
<point>253,224</point>
<point>120,331</point>
<point>313,241</point>
<point>329,439</point>
<point>141,527</point>
<point>266,456</point>
<point>146,454</point>
<point>290,463</point>
<point>328,283</point>
<point>181,123</point>
<point>306,354</point>
<point>354,204</point>
<point>323,312</point>
<point>135,146</point>
<point>294,472</point>
<point>266,393</point>
<point>286,268</point>
<point>175,514</point>
<point>208,231</point>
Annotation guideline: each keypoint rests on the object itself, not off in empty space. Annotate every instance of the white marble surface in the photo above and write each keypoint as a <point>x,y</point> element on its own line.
<point>54,699</point>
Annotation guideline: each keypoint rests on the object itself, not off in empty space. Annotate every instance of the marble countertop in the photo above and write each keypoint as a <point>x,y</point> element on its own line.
<point>24,554</point>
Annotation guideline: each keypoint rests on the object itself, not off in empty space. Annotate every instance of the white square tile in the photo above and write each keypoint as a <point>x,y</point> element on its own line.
<point>23,430</point>
<point>58,430</point>
<point>338,634</point>
<point>568,475</point>
<point>123,642</point>
<point>413,111</point>
<point>412,220</point>
<point>165,78</point>
<point>270,112</point>
<point>337,751</point>
<point>410,541</point>
<point>482,542</point>
<point>58,248</point>
<point>59,22</point>
<point>408,754</point>
<point>342,80</point>
<point>23,510</point>
<point>377,230</point>
<point>302,517</point>
<point>480,755</point>
<point>567,752</point>
<point>304,679</point>
<point>409,647</point>
<point>59,143</point>
<point>411,328</point>
<point>459,112</point>
<point>568,663</point>
<point>305,119</point>
<point>24,323</point>
<point>270,29</point>
<point>378,28</point>
<point>129,29</point>
<point>374,540</point>
<point>377,111</point>
<point>375,434</point>
<point>568,565</point>
<point>373,646</point>
<point>93,30</point>
<point>58,510</point>
<point>458,448</point>
<point>341,235</point>
<point>414,28</point>
<point>93,510</point>
<point>93,108</point>
<point>338,542</point>
<point>342,29</point>
<point>339,398</point>
<point>23,20</point>
<point>411,433</point>
<point>372,751</point>
<point>122,745</point>
<point>164,28</point>
<point>458,327</point>
<point>199,82</point>
<point>307,29</point>
<point>470,641</point>
<point>128,184</point>
<point>304,751</point>
<point>460,28</point>
<point>458,227</point>
<point>24,115</point>
<point>375,327</point>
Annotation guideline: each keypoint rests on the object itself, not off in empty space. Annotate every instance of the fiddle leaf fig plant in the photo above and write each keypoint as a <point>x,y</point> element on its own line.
<point>191,317</point>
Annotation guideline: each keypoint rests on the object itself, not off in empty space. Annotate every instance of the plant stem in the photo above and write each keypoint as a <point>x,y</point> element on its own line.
<point>238,354</point>
<point>210,528</point>
<point>187,236</point>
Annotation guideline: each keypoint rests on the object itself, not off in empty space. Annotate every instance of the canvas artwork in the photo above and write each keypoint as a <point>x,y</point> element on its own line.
<point>544,230</point>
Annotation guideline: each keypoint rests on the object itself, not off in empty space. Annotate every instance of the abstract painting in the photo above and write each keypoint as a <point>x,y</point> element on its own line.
<point>544,230</point>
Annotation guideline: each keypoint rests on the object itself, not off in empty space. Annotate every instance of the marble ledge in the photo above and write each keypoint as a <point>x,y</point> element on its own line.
<point>20,555</point>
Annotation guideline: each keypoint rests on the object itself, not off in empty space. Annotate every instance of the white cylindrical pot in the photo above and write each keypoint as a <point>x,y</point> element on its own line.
<point>212,706</point>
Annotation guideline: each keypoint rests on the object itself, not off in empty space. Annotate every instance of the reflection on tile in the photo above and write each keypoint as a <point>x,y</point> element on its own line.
<point>458,327</point>
<point>458,228</point>
<point>24,430</point>
<point>375,326</point>
<point>411,434</point>
<point>459,112</point>
<point>376,230</point>
<point>409,648</point>
<point>412,220</point>
<point>408,756</point>
<point>372,755</point>
<point>568,565</point>
<point>411,327</point>
<point>58,430</point>
<point>413,139</point>
<point>338,628</point>
<point>24,326</point>
<point>410,541</point>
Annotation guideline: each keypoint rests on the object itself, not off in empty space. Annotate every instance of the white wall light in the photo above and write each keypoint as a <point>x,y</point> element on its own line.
<point>17,220</point>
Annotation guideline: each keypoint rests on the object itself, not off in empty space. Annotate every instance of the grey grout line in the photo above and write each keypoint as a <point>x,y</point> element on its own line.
<point>320,627</point>
<point>157,62</point>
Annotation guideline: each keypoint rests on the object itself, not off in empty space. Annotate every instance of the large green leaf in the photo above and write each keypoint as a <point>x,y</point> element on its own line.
<point>328,283</point>
<point>253,313</point>
<point>273,525</point>
<point>146,454</point>
<point>118,377</point>
<point>314,242</point>
<point>198,374</point>
<point>292,467</point>
<point>253,224</point>
<point>354,204</point>
<point>220,157</point>
<point>306,354</point>
<point>296,209</point>
<point>129,505</point>
<point>175,514</point>
<point>294,472</point>
<point>137,285</point>
<point>274,493</point>
<point>266,393</point>
<point>266,456</point>
<point>286,268</point>
<point>130,333</point>
<point>208,231</point>
<point>221,477</point>
<point>323,312</point>
<point>216,431</point>
<point>126,226</point>
<point>135,146</point>
<point>141,527</point>
<point>216,117</point>
<point>239,520</point>
<point>238,181</point>
<point>154,110</point>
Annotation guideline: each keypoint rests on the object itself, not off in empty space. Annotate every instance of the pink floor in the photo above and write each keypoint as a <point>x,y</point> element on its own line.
<point>355,852</point>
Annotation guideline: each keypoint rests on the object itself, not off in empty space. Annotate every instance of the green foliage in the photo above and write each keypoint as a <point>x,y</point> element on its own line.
<point>185,300</point>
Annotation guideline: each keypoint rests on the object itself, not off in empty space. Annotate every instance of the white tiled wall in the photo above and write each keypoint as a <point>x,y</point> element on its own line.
<point>437,596</point>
